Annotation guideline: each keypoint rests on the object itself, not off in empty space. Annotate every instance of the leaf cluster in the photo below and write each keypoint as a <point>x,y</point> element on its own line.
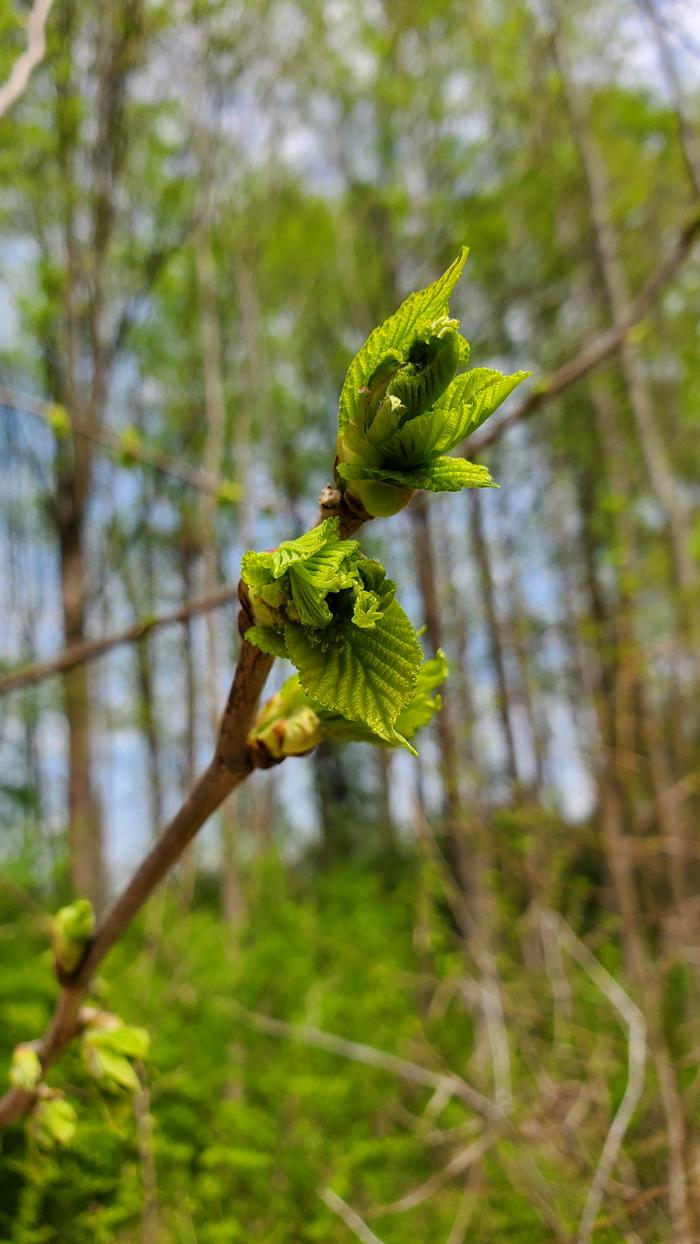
<point>404,406</point>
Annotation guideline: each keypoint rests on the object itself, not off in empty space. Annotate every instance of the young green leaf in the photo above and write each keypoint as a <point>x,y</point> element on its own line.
<point>423,706</point>
<point>438,475</point>
<point>114,1070</point>
<point>397,334</point>
<point>365,675</point>
<point>462,408</point>
<point>122,1039</point>
<point>403,407</point>
<point>294,581</point>
<point>482,391</point>
<point>72,928</point>
<point>53,1122</point>
<point>417,714</point>
<point>267,640</point>
<point>25,1068</point>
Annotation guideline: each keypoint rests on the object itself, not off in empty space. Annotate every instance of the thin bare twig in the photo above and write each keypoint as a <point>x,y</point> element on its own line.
<point>123,445</point>
<point>349,1216</point>
<point>461,1162</point>
<point>636,1060</point>
<point>465,1211</point>
<point>32,56</point>
<point>89,649</point>
<point>414,1073</point>
<point>601,348</point>
<point>231,764</point>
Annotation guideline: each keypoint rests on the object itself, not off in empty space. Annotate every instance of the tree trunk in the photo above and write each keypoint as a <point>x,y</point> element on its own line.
<point>641,398</point>
<point>493,629</point>
<point>426,570</point>
<point>85,835</point>
<point>215,406</point>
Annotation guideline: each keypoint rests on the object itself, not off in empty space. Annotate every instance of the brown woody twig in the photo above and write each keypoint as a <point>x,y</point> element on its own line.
<point>232,763</point>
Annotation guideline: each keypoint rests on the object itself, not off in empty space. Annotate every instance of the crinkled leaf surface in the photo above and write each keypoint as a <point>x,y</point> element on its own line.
<point>367,609</point>
<point>398,332</point>
<point>440,475</point>
<point>267,640</point>
<point>367,676</point>
<point>464,406</point>
<point>483,390</point>
<point>423,705</point>
<point>313,578</point>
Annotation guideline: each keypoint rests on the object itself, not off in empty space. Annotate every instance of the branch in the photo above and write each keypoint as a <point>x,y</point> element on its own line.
<point>636,1058</point>
<point>22,69</point>
<point>348,1215</point>
<point>90,649</point>
<point>231,764</point>
<point>602,347</point>
<point>120,445</point>
<point>461,1162</point>
<point>414,1073</point>
<point>597,352</point>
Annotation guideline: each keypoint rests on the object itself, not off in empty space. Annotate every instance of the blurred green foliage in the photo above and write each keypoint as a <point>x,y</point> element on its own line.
<point>246,1127</point>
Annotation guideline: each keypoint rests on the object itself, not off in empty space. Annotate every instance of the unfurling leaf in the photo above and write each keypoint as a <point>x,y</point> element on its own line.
<point>114,1070</point>
<point>293,582</point>
<point>423,705</point>
<point>331,611</point>
<point>53,1121</point>
<point>286,724</point>
<point>440,475</point>
<point>108,1045</point>
<point>268,640</point>
<point>403,406</point>
<point>72,929</point>
<point>398,333</point>
<point>365,675</point>
<point>417,714</point>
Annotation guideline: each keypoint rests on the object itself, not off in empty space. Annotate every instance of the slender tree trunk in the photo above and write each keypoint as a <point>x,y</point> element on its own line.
<point>188,554</point>
<point>493,629</point>
<point>384,774</point>
<point>215,403</point>
<point>426,569</point>
<point>641,397</point>
<point>145,681</point>
<point>687,133</point>
<point>643,972</point>
<point>518,642</point>
<point>85,821</point>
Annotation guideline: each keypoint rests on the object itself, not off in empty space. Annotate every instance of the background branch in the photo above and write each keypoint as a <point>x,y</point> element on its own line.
<point>231,764</point>
<point>89,650</point>
<point>123,446</point>
<point>601,348</point>
<point>348,1215</point>
<point>24,66</point>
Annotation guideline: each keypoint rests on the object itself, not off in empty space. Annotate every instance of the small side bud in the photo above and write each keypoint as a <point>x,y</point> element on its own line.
<point>303,731</point>
<point>73,926</point>
<point>25,1068</point>
<point>377,499</point>
<point>286,725</point>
